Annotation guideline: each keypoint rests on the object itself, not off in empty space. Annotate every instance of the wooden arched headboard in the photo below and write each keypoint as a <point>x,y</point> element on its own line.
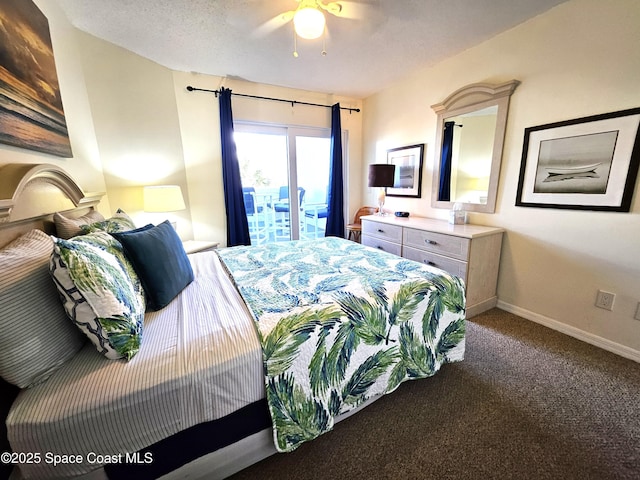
<point>31,193</point>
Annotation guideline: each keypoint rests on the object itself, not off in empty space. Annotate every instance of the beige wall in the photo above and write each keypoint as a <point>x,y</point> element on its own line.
<point>578,59</point>
<point>136,118</point>
<point>85,166</point>
<point>152,131</point>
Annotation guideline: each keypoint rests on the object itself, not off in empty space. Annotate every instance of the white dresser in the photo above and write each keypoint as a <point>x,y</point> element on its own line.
<point>471,252</point>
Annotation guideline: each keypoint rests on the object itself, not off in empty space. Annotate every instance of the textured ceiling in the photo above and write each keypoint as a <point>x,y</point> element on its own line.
<point>384,41</point>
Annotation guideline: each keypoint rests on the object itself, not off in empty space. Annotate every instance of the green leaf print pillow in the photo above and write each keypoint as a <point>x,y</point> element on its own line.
<point>100,292</point>
<point>120,222</point>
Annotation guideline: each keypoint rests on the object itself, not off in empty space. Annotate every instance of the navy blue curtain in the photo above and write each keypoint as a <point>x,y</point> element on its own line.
<point>237,225</point>
<point>335,211</point>
<point>444,190</point>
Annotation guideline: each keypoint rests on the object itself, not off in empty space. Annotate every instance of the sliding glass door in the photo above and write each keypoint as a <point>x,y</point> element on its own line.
<point>313,161</point>
<point>285,178</point>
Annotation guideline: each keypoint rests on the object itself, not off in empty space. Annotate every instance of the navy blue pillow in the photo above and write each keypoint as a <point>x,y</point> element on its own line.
<point>159,259</point>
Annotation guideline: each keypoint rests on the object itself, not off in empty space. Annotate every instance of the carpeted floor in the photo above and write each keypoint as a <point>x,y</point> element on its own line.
<point>526,403</point>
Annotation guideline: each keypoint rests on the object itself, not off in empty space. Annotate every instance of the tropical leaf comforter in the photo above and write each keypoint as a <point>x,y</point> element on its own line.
<point>340,323</point>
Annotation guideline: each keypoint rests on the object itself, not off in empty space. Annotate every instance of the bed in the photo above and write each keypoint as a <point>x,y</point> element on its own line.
<point>265,348</point>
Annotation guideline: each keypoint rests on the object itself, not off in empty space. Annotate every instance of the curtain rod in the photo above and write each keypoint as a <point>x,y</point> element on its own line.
<point>292,102</point>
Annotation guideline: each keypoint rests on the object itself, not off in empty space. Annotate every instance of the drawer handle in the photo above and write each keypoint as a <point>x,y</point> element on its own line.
<point>430,263</point>
<point>431,242</point>
<point>379,247</point>
<point>380,230</point>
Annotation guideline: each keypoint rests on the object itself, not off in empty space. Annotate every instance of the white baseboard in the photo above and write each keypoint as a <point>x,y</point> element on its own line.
<point>574,332</point>
<point>478,308</point>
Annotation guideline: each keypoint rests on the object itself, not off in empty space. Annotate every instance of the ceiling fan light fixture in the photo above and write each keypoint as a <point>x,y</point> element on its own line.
<point>309,23</point>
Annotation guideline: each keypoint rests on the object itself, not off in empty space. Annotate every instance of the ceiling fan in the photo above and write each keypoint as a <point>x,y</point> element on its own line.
<point>309,21</point>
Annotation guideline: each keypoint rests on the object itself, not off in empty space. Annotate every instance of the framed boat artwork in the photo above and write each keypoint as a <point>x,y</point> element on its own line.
<point>588,163</point>
<point>31,113</point>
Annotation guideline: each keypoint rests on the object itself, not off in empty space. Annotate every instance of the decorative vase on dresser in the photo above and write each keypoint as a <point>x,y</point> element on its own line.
<point>471,252</point>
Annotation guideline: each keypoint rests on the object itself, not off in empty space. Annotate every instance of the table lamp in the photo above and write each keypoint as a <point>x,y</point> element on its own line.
<point>381,176</point>
<point>163,198</point>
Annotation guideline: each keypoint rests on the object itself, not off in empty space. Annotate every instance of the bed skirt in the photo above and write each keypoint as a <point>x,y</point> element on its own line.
<point>195,442</point>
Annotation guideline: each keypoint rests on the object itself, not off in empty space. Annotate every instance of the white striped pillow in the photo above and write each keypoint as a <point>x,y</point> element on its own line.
<point>36,337</point>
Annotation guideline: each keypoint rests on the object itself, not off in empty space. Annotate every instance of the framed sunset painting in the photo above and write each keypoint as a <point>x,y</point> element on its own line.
<point>31,113</point>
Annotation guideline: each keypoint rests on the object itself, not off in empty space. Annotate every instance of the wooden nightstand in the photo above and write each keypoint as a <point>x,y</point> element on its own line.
<point>194,246</point>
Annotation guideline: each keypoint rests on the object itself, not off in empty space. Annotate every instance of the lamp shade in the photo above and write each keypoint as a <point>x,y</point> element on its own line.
<point>309,22</point>
<point>163,198</point>
<point>381,175</point>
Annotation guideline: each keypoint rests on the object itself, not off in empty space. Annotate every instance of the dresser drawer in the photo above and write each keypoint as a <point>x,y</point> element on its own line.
<point>454,267</point>
<point>392,233</point>
<point>380,244</point>
<point>443,244</point>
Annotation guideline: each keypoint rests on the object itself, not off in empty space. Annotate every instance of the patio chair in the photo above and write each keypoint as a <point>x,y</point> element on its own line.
<point>256,216</point>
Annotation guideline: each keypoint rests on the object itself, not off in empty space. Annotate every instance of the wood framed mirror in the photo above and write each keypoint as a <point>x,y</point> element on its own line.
<point>469,138</point>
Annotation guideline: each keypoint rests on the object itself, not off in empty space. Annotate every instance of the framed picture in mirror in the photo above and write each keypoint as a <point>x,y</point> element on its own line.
<point>407,180</point>
<point>588,163</point>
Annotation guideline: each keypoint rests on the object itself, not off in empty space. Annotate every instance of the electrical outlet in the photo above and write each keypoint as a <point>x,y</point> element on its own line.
<point>637,315</point>
<point>605,300</point>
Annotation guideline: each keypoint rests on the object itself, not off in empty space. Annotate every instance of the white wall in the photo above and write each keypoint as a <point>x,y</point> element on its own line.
<point>578,59</point>
<point>85,166</point>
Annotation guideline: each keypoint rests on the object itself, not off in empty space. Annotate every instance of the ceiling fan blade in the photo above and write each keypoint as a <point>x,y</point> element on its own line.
<point>349,9</point>
<point>273,24</point>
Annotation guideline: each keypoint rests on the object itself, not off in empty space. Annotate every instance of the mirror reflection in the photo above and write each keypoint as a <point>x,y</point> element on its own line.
<point>469,138</point>
<point>467,151</point>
